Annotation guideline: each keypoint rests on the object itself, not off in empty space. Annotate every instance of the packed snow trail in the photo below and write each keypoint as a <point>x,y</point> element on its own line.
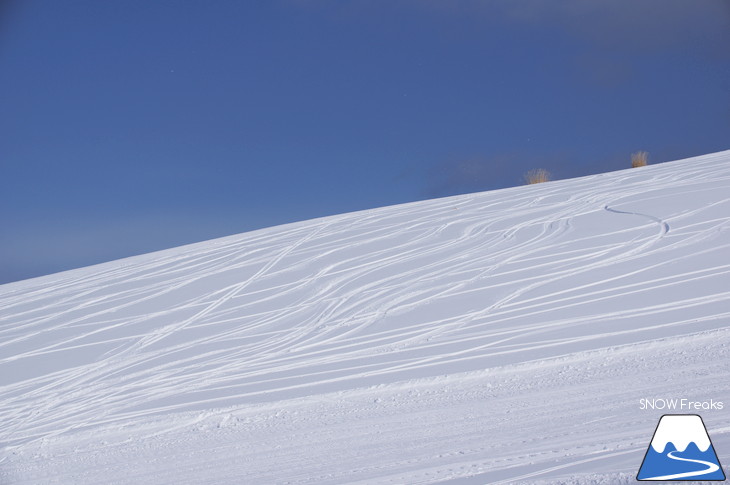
<point>504,336</point>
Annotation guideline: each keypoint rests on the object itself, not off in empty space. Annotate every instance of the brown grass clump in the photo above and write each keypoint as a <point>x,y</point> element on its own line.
<point>537,176</point>
<point>639,159</point>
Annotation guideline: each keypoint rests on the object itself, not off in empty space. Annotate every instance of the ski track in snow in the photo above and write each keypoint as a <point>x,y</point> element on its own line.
<point>499,337</point>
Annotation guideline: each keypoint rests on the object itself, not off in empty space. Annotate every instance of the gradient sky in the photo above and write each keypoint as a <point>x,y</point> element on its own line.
<point>135,125</point>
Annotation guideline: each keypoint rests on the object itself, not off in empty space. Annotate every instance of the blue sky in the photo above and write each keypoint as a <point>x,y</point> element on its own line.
<point>132,126</point>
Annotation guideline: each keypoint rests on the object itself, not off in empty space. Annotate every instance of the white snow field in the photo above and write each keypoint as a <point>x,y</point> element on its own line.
<point>497,337</point>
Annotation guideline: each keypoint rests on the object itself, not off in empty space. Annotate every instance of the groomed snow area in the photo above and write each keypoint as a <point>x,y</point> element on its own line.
<point>497,337</point>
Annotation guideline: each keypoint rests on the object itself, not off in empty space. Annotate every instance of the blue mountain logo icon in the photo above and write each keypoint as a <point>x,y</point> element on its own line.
<point>681,450</point>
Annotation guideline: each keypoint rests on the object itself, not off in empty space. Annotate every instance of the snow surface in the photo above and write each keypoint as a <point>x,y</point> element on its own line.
<point>497,337</point>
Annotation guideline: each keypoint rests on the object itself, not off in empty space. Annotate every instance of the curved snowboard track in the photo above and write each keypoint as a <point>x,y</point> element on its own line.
<point>498,337</point>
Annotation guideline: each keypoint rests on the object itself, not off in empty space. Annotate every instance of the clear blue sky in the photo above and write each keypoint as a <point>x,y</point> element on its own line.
<point>136,125</point>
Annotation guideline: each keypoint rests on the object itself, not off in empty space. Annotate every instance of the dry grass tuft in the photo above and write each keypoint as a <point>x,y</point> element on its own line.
<point>639,159</point>
<point>537,176</point>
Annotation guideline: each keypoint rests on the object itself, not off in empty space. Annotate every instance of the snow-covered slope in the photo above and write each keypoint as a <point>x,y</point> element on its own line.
<point>498,337</point>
